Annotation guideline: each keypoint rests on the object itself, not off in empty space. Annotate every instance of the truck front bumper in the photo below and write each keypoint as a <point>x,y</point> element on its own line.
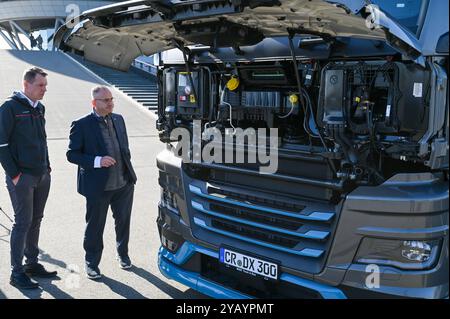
<point>169,265</point>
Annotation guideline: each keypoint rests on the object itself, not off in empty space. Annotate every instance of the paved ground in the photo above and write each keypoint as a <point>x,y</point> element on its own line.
<point>62,228</point>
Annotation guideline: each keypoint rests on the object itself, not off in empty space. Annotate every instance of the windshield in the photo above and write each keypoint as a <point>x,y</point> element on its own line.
<point>406,12</point>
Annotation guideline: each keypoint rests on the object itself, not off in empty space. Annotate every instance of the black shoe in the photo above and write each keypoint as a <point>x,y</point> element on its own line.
<point>124,262</point>
<point>37,270</point>
<point>93,273</point>
<point>22,281</point>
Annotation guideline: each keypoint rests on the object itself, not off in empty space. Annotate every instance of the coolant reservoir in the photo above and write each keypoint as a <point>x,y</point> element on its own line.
<point>233,83</point>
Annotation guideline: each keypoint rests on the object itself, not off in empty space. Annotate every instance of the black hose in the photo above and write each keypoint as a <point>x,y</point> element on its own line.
<point>297,76</point>
<point>181,47</point>
<point>347,145</point>
<point>299,86</point>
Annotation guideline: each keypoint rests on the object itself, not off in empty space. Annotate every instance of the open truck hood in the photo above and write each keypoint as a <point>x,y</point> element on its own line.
<point>115,35</point>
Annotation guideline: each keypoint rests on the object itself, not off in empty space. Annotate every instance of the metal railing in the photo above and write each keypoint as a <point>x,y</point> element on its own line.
<point>144,66</point>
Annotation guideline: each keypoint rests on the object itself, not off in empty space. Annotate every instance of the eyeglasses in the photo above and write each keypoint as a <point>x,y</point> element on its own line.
<point>106,100</point>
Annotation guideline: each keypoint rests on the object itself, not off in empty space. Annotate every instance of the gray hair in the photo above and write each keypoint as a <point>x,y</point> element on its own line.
<point>95,90</point>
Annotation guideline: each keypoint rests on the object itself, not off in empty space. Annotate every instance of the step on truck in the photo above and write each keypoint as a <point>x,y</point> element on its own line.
<point>306,141</point>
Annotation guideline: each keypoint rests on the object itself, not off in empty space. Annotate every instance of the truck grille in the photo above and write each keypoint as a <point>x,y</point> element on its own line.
<point>260,222</point>
<point>258,217</point>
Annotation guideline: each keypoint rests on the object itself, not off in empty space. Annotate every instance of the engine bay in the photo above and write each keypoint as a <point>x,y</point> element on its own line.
<point>364,117</point>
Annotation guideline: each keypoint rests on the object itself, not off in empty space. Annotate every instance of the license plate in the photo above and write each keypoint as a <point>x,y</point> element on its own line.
<point>248,264</point>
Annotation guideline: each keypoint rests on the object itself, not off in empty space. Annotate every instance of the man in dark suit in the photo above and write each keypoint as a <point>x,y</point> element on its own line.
<point>99,146</point>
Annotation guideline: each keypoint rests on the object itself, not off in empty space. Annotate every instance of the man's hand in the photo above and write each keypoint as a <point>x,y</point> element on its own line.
<point>107,161</point>
<point>15,180</point>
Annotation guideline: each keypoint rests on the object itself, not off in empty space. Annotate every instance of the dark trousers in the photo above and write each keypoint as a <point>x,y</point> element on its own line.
<point>121,202</point>
<point>28,199</point>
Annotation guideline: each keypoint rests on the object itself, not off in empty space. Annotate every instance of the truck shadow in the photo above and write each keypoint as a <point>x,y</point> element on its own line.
<point>52,61</point>
<point>166,288</point>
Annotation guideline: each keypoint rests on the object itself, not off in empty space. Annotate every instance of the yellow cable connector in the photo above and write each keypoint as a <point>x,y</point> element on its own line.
<point>233,83</point>
<point>357,99</point>
<point>293,98</point>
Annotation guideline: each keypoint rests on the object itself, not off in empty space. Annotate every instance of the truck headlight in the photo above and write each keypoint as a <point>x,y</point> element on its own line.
<point>403,254</point>
<point>419,251</point>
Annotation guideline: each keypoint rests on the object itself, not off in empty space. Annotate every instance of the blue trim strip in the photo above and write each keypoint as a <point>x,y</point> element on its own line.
<point>314,216</point>
<point>312,234</point>
<point>327,292</point>
<point>195,281</point>
<point>306,252</point>
<point>185,252</point>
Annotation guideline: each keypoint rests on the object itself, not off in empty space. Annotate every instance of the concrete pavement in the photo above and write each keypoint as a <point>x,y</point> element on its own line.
<point>62,228</point>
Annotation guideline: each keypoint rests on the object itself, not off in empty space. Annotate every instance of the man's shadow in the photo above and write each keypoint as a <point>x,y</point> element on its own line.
<point>45,284</point>
<point>48,286</point>
<point>166,288</point>
<point>2,295</point>
<point>45,257</point>
<point>121,289</point>
<point>32,293</point>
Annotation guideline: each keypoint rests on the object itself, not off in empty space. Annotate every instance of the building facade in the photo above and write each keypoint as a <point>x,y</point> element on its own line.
<point>31,24</point>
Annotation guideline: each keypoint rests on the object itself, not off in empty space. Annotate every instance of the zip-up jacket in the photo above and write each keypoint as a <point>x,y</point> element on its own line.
<point>23,141</point>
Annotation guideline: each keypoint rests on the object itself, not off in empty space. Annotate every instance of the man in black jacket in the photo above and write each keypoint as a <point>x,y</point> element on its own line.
<point>24,157</point>
<point>99,146</point>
